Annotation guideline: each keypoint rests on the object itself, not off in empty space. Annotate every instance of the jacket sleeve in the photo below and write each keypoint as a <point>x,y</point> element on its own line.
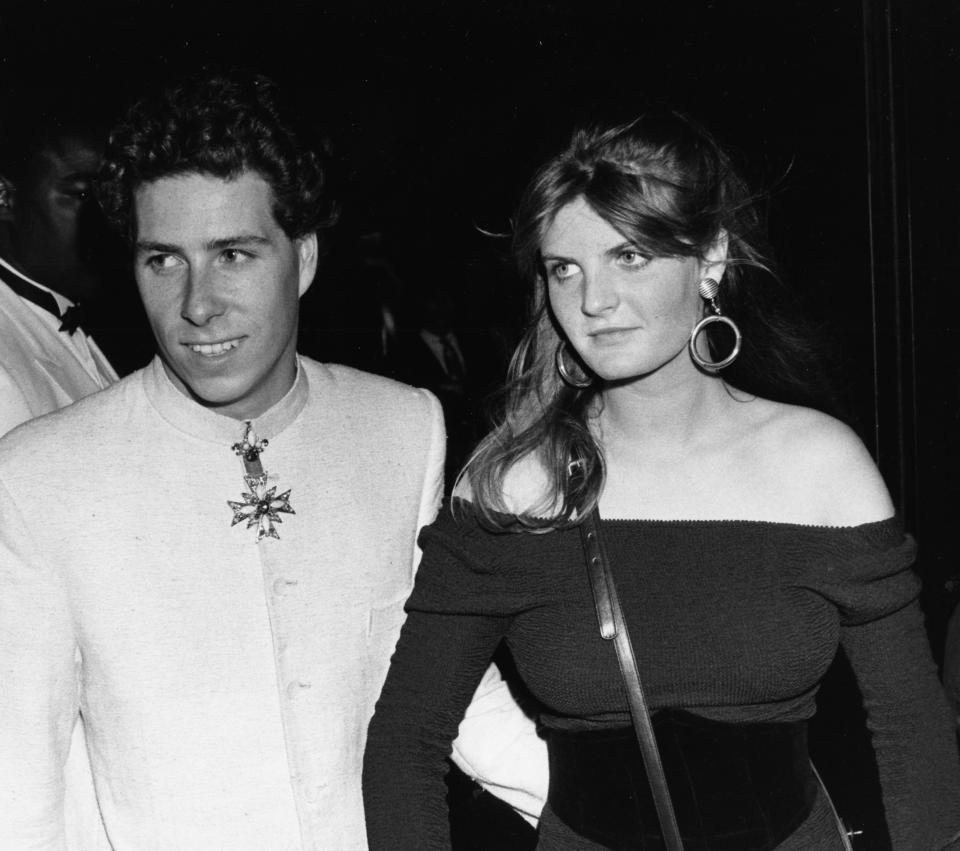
<point>14,408</point>
<point>39,695</point>
<point>432,492</point>
<point>498,746</point>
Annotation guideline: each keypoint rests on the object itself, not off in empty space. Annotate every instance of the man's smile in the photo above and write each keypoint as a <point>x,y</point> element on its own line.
<point>213,349</point>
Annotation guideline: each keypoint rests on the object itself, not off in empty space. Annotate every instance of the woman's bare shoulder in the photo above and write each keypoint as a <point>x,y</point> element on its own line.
<point>823,463</point>
<point>462,488</point>
<point>526,487</point>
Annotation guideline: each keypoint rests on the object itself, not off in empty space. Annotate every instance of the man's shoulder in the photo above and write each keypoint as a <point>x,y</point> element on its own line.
<point>84,423</point>
<point>345,389</point>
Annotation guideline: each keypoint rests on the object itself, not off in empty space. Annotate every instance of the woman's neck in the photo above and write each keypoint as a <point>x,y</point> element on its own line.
<point>655,413</point>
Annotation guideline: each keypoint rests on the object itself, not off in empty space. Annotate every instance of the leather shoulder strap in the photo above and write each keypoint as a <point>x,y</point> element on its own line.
<point>613,627</point>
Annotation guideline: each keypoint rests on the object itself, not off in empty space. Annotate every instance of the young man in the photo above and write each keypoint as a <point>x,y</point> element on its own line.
<point>211,568</point>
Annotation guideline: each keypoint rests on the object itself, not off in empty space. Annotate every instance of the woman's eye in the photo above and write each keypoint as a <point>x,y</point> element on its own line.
<point>632,257</point>
<point>560,271</point>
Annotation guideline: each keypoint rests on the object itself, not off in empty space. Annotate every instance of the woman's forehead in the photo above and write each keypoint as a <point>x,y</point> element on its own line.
<point>578,226</point>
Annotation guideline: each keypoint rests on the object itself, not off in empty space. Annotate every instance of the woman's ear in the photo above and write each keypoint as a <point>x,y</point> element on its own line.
<point>714,261</point>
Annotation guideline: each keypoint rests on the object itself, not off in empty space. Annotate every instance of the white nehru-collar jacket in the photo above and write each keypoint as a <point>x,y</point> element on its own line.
<point>226,684</point>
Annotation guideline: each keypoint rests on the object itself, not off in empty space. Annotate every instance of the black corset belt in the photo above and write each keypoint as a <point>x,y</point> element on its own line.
<point>735,787</point>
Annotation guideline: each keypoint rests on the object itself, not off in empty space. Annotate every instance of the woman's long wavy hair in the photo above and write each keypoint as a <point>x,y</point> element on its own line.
<point>667,186</point>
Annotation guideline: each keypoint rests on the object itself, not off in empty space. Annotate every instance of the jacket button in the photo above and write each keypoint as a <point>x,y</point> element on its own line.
<point>281,586</point>
<point>294,688</point>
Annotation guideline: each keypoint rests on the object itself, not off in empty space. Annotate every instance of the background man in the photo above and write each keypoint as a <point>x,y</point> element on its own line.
<point>48,159</point>
<point>211,568</point>
<point>49,154</point>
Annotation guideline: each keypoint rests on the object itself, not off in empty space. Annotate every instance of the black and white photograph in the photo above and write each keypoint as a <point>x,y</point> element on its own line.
<point>483,426</point>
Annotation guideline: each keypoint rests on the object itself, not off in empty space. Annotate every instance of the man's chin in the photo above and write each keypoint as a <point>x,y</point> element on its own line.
<point>213,392</point>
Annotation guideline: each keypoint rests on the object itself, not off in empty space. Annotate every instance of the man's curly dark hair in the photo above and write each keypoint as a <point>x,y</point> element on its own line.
<point>220,124</point>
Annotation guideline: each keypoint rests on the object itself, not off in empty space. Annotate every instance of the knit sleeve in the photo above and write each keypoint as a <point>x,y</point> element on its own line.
<point>473,569</point>
<point>883,635</point>
<point>452,629</point>
<point>866,571</point>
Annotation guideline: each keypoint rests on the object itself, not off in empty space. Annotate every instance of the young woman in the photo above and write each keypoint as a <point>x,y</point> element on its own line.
<point>749,537</point>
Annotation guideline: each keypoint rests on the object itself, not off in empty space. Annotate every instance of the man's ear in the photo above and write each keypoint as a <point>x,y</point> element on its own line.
<point>307,256</point>
<point>714,262</point>
<point>7,198</point>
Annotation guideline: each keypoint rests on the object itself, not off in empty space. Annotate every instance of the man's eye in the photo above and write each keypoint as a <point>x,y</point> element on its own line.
<point>75,189</point>
<point>161,262</point>
<point>234,255</point>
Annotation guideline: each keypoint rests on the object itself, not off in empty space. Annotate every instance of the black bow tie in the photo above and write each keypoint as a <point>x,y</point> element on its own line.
<point>70,319</point>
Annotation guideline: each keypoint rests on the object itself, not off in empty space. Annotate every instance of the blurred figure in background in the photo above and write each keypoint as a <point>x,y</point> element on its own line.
<point>445,340</point>
<point>951,664</point>
<point>47,360</point>
<point>48,157</point>
<point>350,319</point>
<point>428,351</point>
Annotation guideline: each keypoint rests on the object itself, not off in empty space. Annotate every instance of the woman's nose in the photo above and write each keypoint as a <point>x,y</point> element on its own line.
<point>599,293</point>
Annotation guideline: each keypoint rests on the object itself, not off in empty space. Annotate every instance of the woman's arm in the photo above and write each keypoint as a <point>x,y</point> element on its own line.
<point>884,638</point>
<point>912,728</point>
<point>439,661</point>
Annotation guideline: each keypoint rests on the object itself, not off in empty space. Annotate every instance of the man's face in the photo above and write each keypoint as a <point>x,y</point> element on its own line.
<point>47,207</point>
<point>221,282</point>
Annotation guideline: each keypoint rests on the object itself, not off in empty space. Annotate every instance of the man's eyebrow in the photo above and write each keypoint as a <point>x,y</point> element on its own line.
<point>240,239</point>
<point>144,245</point>
<point>245,239</point>
<point>78,177</point>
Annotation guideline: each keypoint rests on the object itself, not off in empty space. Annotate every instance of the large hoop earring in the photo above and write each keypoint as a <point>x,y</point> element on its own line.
<point>567,374</point>
<point>708,292</point>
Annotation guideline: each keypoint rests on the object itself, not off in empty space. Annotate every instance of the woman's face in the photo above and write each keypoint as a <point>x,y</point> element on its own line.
<point>627,315</point>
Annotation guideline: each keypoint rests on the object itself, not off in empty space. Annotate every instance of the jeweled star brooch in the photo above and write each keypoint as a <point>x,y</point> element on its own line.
<point>261,506</point>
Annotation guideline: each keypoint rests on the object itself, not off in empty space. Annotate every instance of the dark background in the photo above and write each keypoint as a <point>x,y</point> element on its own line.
<point>844,112</point>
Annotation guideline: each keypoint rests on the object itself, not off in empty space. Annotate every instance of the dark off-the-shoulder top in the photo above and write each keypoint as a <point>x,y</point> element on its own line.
<point>733,620</point>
